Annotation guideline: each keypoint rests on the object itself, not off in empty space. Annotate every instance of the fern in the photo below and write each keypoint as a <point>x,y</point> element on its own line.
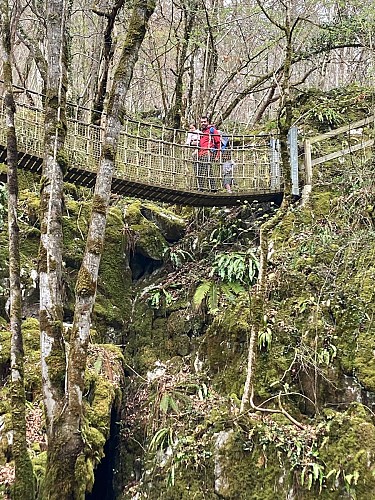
<point>236,266</point>
<point>232,289</point>
<point>210,292</point>
<point>201,293</point>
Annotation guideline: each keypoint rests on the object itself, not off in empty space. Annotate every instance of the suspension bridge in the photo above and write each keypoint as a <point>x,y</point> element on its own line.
<point>152,161</point>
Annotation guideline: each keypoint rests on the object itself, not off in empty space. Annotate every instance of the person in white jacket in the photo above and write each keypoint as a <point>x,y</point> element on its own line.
<point>193,136</point>
<point>192,140</point>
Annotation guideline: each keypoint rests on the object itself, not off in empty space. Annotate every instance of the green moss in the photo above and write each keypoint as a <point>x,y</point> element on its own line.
<point>31,338</point>
<point>30,332</point>
<point>102,379</point>
<point>349,449</point>
<point>132,213</point>
<point>5,349</point>
<point>84,476</point>
<point>95,441</point>
<point>39,465</point>
<point>42,259</point>
<point>149,241</point>
<point>30,201</point>
<point>63,160</point>
<point>99,205</point>
<point>250,474</point>
<point>322,203</point>
<point>71,189</point>
<point>98,413</point>
<point>364,361</point>
<point>224,346</point>
<point>85,285</point>
<point>56,359</point>
<point>171,225</point>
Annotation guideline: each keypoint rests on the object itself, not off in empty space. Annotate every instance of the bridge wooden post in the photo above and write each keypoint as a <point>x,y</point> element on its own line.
<point>308,170</point>
<point>293,158</point>
<point>275,164</point>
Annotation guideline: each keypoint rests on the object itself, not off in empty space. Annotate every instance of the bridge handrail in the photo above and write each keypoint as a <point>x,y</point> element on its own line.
<point>342,130</point>
<point>309,162</point>
<point>128,119</point>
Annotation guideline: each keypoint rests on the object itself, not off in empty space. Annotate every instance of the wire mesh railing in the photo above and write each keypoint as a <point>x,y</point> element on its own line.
<point>155,155</point>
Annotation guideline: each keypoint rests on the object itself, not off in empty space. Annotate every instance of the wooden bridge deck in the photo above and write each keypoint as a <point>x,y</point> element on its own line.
<point>152,162</point>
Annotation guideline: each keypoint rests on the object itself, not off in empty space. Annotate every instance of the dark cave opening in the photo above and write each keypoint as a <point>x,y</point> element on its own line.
<point>141,265</point>
<point>104,488</point>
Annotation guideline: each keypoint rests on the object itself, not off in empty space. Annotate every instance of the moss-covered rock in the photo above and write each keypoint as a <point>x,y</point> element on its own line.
<point>170,225</point>
<point>349,454</point>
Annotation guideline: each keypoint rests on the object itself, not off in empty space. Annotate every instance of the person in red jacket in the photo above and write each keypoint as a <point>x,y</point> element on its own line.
<point>209,151</point>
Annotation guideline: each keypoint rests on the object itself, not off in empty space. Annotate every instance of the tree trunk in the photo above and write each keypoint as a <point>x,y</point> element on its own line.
<point>57,484</point>
<point>108,51</point>
<point>24,481</point>
<point>189,13</point>
<point>65,452</point>
<point>88,274</point>
<point>285,116</point>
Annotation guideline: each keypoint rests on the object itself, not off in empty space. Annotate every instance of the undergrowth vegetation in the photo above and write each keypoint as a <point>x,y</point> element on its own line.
<point>309,430</point>
<point>184,313</point>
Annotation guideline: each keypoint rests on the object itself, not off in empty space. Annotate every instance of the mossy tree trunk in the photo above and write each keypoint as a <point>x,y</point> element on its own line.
<point>285,116</point>
<point>66,467</point>
<point>285,120</point>
<point>60,461</point>
<point>24,481</point>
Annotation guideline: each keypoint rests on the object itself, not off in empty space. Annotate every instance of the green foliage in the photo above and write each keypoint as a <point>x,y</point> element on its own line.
<point>206,291</point>
<point>236,267</point>
<point>168,403</point>
<point>299,449</point>
<point>162,439</point>
<point>231,273</point>
<point>229,231</point>
<point>265,334</point>
<point>209,293</point>
<point>322,111</point>
<point>326,115</point>
<point>178,256</point>
<point>157,297</point>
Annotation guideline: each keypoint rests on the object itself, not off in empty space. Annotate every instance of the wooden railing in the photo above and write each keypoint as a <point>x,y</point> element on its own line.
<point>355,140</point>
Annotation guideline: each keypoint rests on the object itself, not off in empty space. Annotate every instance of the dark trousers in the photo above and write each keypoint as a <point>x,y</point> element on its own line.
<point>204,174</point>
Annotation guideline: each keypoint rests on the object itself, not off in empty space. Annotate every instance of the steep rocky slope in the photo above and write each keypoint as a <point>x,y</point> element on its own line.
<point>177,294</point>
